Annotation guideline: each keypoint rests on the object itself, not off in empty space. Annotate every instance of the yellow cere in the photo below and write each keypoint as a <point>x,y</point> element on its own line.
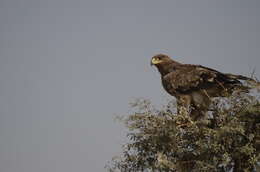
<point>156,60</point>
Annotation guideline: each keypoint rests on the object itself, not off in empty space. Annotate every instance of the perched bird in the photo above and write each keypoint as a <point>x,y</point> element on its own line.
<point>194,85</point>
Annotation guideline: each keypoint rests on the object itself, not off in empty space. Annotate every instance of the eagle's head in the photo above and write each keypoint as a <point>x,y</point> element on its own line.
<point>160,59</point>
<point>163,63</point>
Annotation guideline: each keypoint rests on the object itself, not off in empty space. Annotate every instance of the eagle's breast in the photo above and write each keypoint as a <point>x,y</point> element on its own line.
<point>169,87</point>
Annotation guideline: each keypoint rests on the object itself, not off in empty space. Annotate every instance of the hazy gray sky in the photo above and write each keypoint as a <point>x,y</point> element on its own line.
<point>66,67</point>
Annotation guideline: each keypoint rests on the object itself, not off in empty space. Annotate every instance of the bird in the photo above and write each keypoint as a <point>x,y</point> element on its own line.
<point>194,86</point>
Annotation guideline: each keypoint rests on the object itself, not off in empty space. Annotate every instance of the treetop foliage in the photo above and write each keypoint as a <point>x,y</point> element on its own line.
<point>228,139</point>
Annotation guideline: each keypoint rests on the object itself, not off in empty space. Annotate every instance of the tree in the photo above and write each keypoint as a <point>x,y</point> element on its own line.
<point>161,140</point>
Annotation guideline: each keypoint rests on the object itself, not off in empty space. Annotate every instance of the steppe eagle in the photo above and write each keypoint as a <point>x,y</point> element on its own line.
<point>194,85</point>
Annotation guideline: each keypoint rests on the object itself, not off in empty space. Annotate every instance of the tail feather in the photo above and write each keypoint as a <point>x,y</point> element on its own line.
<point>239,77</point>
<point>250,82</point>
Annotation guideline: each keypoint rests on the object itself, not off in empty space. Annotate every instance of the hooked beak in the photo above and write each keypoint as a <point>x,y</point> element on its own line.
<point>155,61</point>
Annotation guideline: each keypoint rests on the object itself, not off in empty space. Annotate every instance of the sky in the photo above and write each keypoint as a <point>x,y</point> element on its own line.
<point>67,68</point>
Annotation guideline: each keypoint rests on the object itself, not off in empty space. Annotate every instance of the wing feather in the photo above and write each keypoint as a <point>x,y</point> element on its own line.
<point>186,78</point>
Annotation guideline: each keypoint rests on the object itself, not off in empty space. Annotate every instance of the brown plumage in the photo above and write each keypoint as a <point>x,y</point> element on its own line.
<point>194,85</point>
